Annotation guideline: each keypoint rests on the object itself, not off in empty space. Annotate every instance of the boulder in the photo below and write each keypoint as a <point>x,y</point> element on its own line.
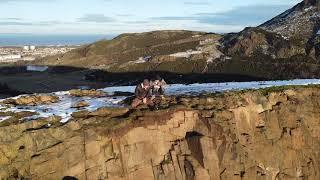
<point>80,104</point>
<point>80,114</point>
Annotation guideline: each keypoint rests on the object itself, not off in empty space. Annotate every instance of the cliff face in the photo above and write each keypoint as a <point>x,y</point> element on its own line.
<point>250,135</point>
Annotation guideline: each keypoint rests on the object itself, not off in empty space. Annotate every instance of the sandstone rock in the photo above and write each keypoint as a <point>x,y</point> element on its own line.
<point>258,139</point>
<point>88,93</point>
<point>80,114</point>
<point>32,100</point>
<point>109,112</point>
<point>80,104</point>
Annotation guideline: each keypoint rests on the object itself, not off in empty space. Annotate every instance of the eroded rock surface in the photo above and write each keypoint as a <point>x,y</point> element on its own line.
<point>87,93</point>
<point>249,135</point>
<point>32,100</point>
<point>80,104</point>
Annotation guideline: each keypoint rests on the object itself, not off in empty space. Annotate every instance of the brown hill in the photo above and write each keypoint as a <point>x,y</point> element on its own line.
<point>128,47</point>
<point>287,43</point>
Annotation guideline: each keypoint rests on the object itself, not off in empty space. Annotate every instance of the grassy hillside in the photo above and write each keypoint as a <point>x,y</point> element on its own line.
<point>127,47</point>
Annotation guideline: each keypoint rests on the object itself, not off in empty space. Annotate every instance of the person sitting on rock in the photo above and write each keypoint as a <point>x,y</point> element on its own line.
<point>157,91</point>
<point>158,86</point>
<point>143,95</point>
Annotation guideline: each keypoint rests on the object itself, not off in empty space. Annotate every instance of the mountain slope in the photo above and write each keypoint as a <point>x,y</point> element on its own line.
<point>259,42</point>
<point>289,34</point>
<point>301,21</point>
<point>288,43</point>
<point>128,47</point>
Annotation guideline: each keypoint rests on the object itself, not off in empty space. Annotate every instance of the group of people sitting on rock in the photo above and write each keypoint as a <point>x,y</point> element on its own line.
<point>150,93</point>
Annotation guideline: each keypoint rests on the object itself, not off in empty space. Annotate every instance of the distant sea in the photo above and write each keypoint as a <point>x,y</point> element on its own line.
<point>49,40</point>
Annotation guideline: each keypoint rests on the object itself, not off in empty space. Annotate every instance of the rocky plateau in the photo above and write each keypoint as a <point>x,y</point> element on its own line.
<point>255,134</point>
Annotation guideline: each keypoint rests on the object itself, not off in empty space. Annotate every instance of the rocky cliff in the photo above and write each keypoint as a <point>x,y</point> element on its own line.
<point>258,42</point>
<point>263,134</point>
<point>300,22</point>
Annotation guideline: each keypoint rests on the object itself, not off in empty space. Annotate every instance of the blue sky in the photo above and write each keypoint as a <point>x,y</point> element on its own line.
<point>120,16</point>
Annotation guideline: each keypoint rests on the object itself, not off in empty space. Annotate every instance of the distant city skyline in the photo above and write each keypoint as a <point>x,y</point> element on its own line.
<point>120,16</point>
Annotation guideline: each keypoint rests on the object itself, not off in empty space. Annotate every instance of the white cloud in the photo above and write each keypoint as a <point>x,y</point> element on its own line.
<point>97,18</point>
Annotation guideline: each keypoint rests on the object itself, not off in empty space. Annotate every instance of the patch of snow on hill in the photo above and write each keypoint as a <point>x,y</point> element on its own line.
<point>4,118</point>
<point>186,54</point>
<point>308,9</point>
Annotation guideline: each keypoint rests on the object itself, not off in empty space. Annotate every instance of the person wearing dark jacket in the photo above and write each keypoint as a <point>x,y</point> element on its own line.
<point>143,95</point>
<point>157,91</point>
<point>158,86</point>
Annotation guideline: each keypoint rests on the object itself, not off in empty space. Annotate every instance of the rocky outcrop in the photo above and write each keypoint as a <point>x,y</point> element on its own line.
<point>32,100</point>
<point>284,36</point>
<point>313,47</point>
<point>87,93</point>
<point>245,135</point>
<point>80,104</point>
<point>256,42</point>
<point>300,22</point>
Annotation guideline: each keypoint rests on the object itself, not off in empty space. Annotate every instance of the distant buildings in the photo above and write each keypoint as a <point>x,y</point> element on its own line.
<point>25,48</point>
<point>29,48</point>
<point>32,48</point>
<point>30,52</point>
<point>9,57</point>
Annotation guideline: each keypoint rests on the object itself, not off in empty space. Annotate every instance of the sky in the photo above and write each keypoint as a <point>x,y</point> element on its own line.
<point>122,16</point>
